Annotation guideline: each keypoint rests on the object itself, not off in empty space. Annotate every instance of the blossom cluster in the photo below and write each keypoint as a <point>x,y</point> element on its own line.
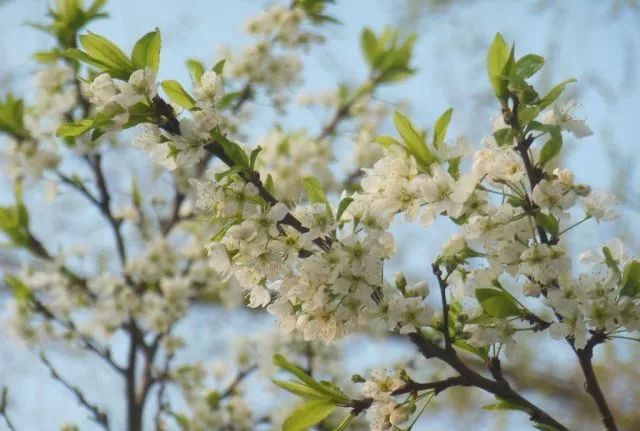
<point>273,62</point>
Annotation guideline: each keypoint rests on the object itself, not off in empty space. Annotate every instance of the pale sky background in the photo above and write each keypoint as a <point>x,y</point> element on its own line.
<point>593,41</point>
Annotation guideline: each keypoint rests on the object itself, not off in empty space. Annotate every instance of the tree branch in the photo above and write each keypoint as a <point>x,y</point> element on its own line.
<point>445,307</point>
<point>468,377</point>
<point>535,175</point>
<point>98,415</point>
<point>3,409</point>
<point>230,390</point>
<point>87,342</point>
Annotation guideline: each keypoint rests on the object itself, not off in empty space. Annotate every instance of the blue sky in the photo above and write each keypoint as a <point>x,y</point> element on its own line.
<point>585,39</point>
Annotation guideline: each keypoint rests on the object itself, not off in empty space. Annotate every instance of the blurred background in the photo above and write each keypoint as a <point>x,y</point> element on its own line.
<point>596,42</point>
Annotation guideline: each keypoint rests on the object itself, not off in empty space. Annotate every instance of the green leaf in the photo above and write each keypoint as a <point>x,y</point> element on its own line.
<point>232,150</point>
<point>414,140</point>
<point>268,184</point>
<point>331,391</point>
<point>72,130</point>
<point>178,94</point>
<point>213,399</point>
<point>12,117</point>
<point>497,303</point>
<point>527,113</point>
<point>83,57</point>
<point>196,69</point>
<point>550,149</point>
<point>344,424</point>
<point>528,65</point>
<point>254,156</point>
<point>609,260</point>
<point>497,60</point>
<point>47,56</point>
<point>146,51</point>
<point>308,415</point>
<point>342,206</point>
<point>548,223</point>
<point>478,351</point>
<point>228,224</point>
<point>105,52</point>
<point>95,7</point>
<point>440,128</point>
<point>504,136</point>
<point>527,95</point>
<point>21,292</point>
<point>505,405</point>
<point>9,218</point>
<point>553,94</point>
<point>369,45</point>
<point>218,68</point>
<point>631,279</point>
<point>300,389</point>
<point>386,141</point>
<point>314,190</point>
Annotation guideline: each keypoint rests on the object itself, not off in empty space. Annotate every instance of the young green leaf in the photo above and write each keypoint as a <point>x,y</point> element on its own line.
<point>440,128</point>
<point>178,94</point>
<point>196,69</point>
<point>550,149</point>
<point>497,60</point>
<point>106,52</point>
<point>72,130</point>
<point>232,150</point>
<point>414,140</point>
<point>528,65</point>
<point>146,51</point>
<point>218,68</point>
<point>631,279</point>
<point>342,206</point>
<point>504,136</point>
<point>344,424</point>
<point>299,389</point>
<point>553,94</point>
<point>314,190</point>
<point>386,141</point>
<point>548,222</point>
<point>21,292</point>
<point>527,114</point>
<point>369,45</point>
<point>497,303</point>
<point>329,390</point>
<point>308,415</point>
<point>254,156</point>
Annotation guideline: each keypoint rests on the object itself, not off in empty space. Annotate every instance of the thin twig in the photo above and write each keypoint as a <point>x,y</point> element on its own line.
<point>445,307</point>
<point>230,390</point>
<point>98,415</point>
<point>87,342</point>
<point>3,408</point>
<point>500,388</point>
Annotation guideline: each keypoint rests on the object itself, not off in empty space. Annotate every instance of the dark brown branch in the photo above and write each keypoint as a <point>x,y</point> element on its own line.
<point>469,377</point>
<point>98,415</point>
<point>86,342</point>
<point>167,120</point>
<point>3,409</point>
<point>163,402</point>
<point>592,386</point>
<point>230,390</point>
<point>105,201</point>
<point>436,387</point>
<point>134,410</point>
<point>535,175</point>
